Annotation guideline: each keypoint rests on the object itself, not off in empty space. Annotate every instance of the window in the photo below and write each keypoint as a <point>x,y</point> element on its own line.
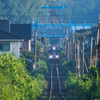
<point>4,46</point>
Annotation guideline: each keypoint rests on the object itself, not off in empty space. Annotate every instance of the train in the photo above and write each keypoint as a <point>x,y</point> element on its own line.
<point>53,54</point>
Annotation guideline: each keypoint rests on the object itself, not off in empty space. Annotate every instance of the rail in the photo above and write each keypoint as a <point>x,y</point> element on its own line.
<point>58,83</point>
<point>51,84</point>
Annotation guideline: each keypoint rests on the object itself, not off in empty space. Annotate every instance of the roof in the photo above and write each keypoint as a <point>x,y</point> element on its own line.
<point>9,36</point>
<point>93,29</point>
<point>21,30</point>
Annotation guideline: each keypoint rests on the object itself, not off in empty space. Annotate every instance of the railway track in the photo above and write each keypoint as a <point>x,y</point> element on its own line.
<point>55,84</point>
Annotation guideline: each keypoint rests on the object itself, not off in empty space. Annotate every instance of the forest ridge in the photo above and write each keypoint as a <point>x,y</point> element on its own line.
<point>26,11</point>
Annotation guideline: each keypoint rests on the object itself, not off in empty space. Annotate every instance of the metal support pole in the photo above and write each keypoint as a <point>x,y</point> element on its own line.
<point>97,44</point>
<point>45,19</point>
<point>35,47</point>
<point>83,58</point>
<point>75,59</point>
<point>95,54</point>
<point>67,44</point>
<point>73,44</point>
<point>45,14</point>
<point>62,13</point>
<point>73,51</point>
<point>91,50</point>
<point>68,50</point>
<point>78,59</point>
<point>70,26</point>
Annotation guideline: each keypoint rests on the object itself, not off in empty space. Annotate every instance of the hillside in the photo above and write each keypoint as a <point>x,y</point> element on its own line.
<point>25,11</point>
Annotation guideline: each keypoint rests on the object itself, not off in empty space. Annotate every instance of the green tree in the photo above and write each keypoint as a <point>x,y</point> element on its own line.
<point>15,81</point>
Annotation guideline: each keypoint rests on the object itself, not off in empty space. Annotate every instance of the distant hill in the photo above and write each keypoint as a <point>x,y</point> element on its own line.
<point>26,11</point>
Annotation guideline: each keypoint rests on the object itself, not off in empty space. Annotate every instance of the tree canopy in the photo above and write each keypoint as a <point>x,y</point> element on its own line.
<point>15,81</point>
<point>25,11</point>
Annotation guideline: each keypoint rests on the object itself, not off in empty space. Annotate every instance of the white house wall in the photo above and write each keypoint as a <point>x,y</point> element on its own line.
<point>14,47</point>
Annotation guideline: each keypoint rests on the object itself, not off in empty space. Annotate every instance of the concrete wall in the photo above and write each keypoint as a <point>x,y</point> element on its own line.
<point>26,45</point>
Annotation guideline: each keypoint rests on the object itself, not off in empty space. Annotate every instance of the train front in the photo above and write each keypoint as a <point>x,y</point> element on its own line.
<point>53,55</point>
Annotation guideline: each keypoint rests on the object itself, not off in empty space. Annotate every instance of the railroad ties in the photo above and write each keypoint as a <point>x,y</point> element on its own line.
<point>56,87</point>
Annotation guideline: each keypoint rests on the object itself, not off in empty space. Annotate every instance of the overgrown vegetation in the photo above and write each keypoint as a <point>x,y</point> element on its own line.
<point>29,59</point>
<point>86,87</point>
<point>15,82</point>
<point>18,79</point>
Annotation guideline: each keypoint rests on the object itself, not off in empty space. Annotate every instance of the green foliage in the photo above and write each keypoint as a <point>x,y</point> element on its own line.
<point>66,67</point>
<point>63,57</point>
<point>29,56</point>
<point>42,66</point>
<point>41,69</point>
<point>40,74</point>
<point>87,86</point>
<point>15,82</point>
<point>24,11</point>
<point>93,71</point>
<point>39,46</point>
<point>79,36</point>
<point>81,88</point>
<point>21,11</point>
<point>45,49</point>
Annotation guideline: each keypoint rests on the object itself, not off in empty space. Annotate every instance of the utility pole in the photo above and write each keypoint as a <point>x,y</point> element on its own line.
<point>75,59</point>
<point>68,49</point>
<point>97,41</point>
<point>35,47</point>
<point>67,43</point>
<point>78,59</point>
<point>91,50</point>
<point>83,58</point>
<point>95,54</point>
<point>73,51</point>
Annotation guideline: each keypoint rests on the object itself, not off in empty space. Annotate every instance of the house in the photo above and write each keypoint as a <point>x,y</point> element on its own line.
<point>10,43</point>
<point>24,31</point>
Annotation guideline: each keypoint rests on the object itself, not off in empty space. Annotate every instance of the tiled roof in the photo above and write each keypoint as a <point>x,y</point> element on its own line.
<point>6,35</point>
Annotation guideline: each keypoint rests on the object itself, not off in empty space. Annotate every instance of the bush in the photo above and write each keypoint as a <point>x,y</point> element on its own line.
<point>15,82</point>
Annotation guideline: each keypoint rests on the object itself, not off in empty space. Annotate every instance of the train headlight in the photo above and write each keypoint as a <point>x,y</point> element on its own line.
<point>50,56</point>
<point>57,56</point>
<point>54,48</point>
